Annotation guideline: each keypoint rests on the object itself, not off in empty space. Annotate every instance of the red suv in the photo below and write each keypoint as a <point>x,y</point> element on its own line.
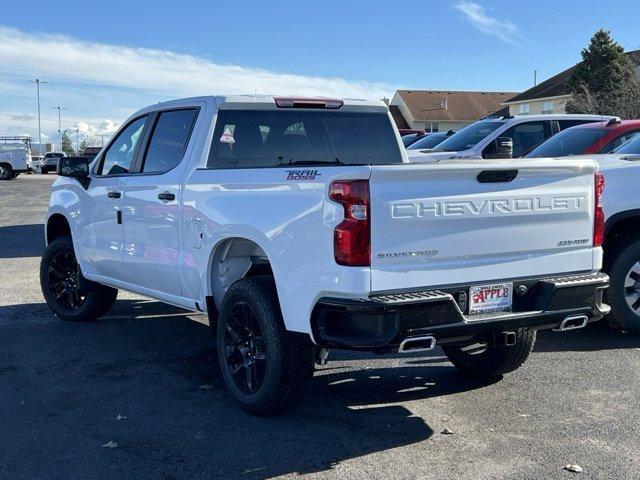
<point>600,137</point>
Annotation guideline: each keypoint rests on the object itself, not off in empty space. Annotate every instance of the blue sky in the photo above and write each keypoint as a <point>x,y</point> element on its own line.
<point>105,60</point>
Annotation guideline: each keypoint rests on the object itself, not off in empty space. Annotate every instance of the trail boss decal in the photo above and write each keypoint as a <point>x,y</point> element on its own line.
<point>302,174</point>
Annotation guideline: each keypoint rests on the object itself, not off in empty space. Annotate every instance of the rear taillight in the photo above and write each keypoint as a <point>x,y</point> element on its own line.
<point>598,220</point>
<point>352,237</point>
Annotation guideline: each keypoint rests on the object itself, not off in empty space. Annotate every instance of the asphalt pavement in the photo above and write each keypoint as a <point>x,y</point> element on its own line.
<point>139,395</point>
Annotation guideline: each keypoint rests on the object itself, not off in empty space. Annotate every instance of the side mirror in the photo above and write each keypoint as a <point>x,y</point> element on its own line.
<point>75,167</point>
<point>503,147</point>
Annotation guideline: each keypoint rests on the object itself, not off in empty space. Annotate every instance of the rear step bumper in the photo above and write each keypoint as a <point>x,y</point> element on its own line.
<point>385,320</point>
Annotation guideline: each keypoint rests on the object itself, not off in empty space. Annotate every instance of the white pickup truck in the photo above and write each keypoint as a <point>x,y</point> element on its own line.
<point>299,226</point>
<point>15,157</point>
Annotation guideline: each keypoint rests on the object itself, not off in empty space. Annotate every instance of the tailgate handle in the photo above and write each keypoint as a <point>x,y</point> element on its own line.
<point>497,176</point>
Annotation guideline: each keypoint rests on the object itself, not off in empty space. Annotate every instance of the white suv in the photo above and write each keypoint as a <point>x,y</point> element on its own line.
<point>480,139</point>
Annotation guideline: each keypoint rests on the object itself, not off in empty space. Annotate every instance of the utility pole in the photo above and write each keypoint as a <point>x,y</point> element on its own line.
<point>37,81</point>
<point>535,78</point>
<point>59,108</point>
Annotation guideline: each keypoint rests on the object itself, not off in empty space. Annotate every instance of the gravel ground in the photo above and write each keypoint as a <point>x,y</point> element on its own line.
<point>139,395</point>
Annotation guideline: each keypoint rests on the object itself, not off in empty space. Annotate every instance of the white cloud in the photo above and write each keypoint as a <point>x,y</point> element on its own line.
<point>62,58</point>
<point>89,129</point>
<point>104,127</point>
<point>505,30</point>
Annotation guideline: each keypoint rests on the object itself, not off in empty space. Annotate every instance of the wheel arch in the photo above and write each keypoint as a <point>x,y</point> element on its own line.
<point>231,259</point>
<point>619,229</point>
<point>57,226</point>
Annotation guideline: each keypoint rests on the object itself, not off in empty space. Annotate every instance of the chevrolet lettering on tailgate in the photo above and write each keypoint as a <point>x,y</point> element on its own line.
<point>504,206</point>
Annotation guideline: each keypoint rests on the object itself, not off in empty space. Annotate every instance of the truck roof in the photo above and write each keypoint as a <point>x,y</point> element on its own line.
<point>262,102</point>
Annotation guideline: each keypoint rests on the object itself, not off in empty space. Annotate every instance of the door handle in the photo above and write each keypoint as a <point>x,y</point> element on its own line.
<point>114,194</point>
<point>166,196</point>
<point>497,176</point>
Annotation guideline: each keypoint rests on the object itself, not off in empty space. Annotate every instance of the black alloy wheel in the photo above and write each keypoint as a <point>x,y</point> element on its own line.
<point>63,281</point>
<point>245,348</point>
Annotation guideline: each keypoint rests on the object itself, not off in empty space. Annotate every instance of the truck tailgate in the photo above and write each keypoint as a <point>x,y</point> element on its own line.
<point>459,222</point>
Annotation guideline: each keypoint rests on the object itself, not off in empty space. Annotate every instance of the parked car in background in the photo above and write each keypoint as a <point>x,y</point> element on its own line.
<point>431,140</point>
<point>298,226</point>
<point>91,152</point>
<point>410,138</point>
<point>483,138</point>
<point>629,149</point>
<point>15,157</point>
<point>50,162</point>
<point>599,137</point>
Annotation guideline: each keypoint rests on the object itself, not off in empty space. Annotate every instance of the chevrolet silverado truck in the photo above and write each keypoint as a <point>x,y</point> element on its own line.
<point>298,226</point>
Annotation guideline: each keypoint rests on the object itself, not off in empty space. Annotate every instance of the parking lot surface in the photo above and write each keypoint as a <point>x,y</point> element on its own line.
<point>138,395</point>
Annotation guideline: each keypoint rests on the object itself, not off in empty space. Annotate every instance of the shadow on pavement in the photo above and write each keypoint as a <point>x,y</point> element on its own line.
<point>18,241</point>
<point>596,336</point>
<point>64,384</point>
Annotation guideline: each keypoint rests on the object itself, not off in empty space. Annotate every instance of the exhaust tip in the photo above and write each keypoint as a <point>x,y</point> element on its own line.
<point>573,322</point>
<point>417,344</point>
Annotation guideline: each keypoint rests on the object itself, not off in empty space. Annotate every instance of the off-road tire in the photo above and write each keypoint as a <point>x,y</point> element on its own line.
<point>98,299</point>
<point>622,317</point>
<point>290,357</point>
<point>495,360</point>
<point>6,172</point>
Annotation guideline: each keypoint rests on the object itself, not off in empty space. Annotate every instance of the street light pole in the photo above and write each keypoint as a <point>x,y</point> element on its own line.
<point>37,81</point>
<point>59,108</point>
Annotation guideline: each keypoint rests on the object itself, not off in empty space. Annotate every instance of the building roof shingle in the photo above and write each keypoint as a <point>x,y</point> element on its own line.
<point>559,84</point>
<point>461,106</point>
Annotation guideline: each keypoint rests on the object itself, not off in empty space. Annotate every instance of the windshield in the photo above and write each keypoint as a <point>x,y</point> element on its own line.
<point>469,136</point>
<point>271,138</point>
<point>429,141</point>
<point>409,139</point>
<point>573,141</point>
<point>632,146</point>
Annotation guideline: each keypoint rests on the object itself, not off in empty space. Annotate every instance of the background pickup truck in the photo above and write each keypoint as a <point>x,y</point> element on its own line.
<point>15,157</point>
<point>299,226</point>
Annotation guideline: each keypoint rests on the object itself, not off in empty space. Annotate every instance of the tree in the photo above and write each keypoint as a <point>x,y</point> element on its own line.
<point>605,81</point>
<point>81,148</point>
<point>67,145</point>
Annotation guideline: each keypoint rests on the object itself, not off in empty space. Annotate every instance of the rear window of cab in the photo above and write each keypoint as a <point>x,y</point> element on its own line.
<point>274,138</point>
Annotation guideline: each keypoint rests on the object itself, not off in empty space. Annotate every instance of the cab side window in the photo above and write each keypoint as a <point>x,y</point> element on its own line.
<point>118,158</point>
<point>616,142</point>
<point>525,136</point>
<point>169,140</point>
<point>564,124</point>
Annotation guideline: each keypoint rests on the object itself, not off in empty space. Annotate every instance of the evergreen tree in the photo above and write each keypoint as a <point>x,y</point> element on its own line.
<point>67,145</point>
<point>605,81</point>
<point>81,148</point>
